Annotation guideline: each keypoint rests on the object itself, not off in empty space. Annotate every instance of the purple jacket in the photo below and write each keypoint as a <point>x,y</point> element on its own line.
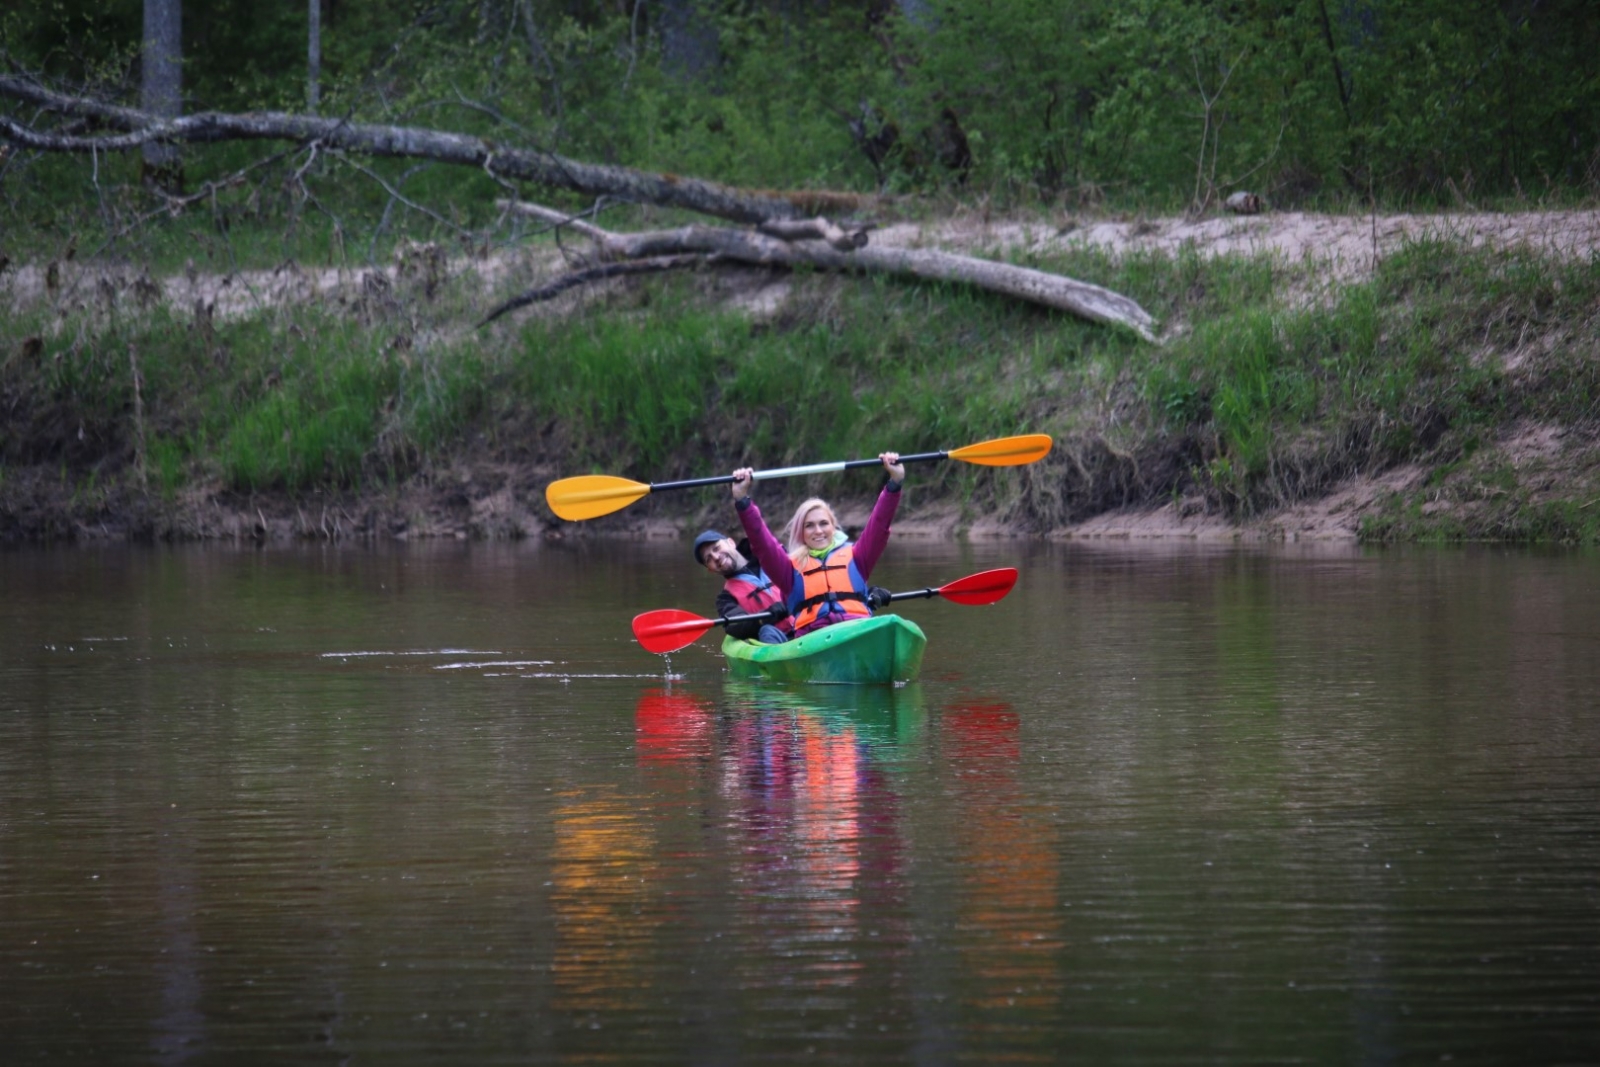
<point>780,568</point>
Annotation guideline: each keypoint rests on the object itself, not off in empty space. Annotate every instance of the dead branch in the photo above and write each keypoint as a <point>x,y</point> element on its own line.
<point>789,233</point>
<point>759,249</point>
<point>502,161</point>
<point>594,274</point>
<point>840,240</point>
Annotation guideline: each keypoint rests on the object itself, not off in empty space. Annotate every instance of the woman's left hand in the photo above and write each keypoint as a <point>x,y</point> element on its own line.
<point>891,463</point>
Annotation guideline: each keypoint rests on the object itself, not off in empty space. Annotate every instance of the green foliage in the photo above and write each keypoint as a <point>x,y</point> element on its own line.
<point>237,53</point>
<point>168,461</point>
<point>1180,99</point>
<point>1469,96</point>
<point>1139,102</point>
<point>341,408</point>
<point>1389,370</point>
<point>637,391</point>
<point>315,429</point>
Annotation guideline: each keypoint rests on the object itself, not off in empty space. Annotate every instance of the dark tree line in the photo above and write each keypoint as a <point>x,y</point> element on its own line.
<point>1302,100</point>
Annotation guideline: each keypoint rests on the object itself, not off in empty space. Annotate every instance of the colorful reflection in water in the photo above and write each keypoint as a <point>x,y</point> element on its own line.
<point>809,791</point>
<point>604,870</point>
<point>805,805</point>
<point>1009,904</point>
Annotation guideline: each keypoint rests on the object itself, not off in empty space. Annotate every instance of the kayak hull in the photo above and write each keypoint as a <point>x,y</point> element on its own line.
<point>876,651</point>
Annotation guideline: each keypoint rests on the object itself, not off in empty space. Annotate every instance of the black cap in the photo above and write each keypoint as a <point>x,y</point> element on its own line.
<point>709,537</point>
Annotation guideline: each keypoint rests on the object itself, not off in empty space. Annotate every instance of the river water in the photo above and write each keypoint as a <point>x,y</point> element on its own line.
<point>1165,804</point>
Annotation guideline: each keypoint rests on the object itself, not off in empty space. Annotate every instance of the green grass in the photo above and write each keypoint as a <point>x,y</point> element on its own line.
<point>1393,368</point>
<point>1260,399</point>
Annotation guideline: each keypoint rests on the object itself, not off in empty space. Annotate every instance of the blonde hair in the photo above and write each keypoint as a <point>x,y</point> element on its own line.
<point>797,525</point>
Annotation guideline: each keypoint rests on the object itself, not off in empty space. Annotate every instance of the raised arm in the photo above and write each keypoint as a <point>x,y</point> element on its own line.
<point>875,535</point>
<point>773,559</point>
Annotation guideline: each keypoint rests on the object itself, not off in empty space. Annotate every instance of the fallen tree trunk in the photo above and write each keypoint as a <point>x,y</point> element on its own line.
<point>785,235</point>
<point>760,249</point>
<point>538,167</point>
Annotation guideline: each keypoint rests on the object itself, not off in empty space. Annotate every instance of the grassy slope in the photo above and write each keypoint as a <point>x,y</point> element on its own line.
<point>1263,397</point>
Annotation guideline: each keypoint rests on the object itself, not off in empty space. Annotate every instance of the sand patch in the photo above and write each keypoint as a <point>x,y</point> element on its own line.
<point>1340,247</point>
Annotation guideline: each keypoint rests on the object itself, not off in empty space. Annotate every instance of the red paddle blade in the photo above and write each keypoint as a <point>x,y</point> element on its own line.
<point>984,587</point>
<point>669,629</point>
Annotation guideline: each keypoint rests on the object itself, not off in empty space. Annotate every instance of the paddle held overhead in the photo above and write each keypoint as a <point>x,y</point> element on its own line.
<point>589,496</point>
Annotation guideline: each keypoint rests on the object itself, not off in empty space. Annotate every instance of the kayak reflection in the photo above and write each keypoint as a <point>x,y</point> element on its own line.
<point>673,725</point>
<point>804,811</point>
<point>810,821</point>
<point>876,716</point>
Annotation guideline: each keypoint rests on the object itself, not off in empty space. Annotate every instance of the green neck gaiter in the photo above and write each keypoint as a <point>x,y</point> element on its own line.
<point>838,539</point>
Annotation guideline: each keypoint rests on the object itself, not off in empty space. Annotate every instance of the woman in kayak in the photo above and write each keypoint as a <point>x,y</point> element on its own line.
<point>823,576</point>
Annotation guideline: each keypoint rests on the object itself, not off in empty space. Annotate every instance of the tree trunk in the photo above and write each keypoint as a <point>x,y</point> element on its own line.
<point>313,55</point>
<point>688,40</point>
<point>161,91</point>
<point>918,13</point>
<point>790,239</point>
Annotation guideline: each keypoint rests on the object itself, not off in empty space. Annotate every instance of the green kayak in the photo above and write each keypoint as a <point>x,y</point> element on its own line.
<point>875,651</point>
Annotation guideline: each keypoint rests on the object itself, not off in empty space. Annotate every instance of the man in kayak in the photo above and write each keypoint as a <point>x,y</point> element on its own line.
<point>745,589</point>
<point>823,576</point>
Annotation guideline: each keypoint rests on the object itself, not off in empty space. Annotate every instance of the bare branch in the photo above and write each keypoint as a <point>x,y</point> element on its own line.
<point>388,209</point>
<point>27,138</point>
<point>558,220</point>
<point>595,274</point>
<point>515,164</point>
<point>395,194</point>
<point>210,189</point>
<point>818,229</point>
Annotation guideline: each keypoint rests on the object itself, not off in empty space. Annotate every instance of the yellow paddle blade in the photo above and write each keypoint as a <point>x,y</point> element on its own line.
<point>1005,451</point>
<point>589,496</point>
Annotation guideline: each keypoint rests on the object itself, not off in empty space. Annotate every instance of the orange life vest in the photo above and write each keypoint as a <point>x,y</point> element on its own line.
<point>828,590</point>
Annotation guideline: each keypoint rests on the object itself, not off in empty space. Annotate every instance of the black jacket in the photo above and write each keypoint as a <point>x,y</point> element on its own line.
<point>727,606</point>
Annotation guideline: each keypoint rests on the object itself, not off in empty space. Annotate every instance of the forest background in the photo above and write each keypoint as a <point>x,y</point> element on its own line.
<point>1446,386</point>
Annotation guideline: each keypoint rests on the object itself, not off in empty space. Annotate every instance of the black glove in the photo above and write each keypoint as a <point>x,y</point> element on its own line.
<point>877,597</point>
<point>778,611</point>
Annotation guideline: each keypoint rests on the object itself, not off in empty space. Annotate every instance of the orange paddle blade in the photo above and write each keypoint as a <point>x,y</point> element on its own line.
<point>669,629</point>
<point>1005,451</point>
<point>985,587</point>
<point>589,496</point>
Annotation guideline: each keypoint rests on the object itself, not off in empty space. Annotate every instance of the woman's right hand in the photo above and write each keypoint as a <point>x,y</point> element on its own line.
<point>743,479</point>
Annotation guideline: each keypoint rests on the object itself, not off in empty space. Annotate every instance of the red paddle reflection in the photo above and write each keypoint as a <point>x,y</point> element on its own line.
<point>669,727</point>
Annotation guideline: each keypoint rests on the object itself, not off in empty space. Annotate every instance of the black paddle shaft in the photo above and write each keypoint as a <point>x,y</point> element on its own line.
<point>767,616</point>
<point>849,464</point>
